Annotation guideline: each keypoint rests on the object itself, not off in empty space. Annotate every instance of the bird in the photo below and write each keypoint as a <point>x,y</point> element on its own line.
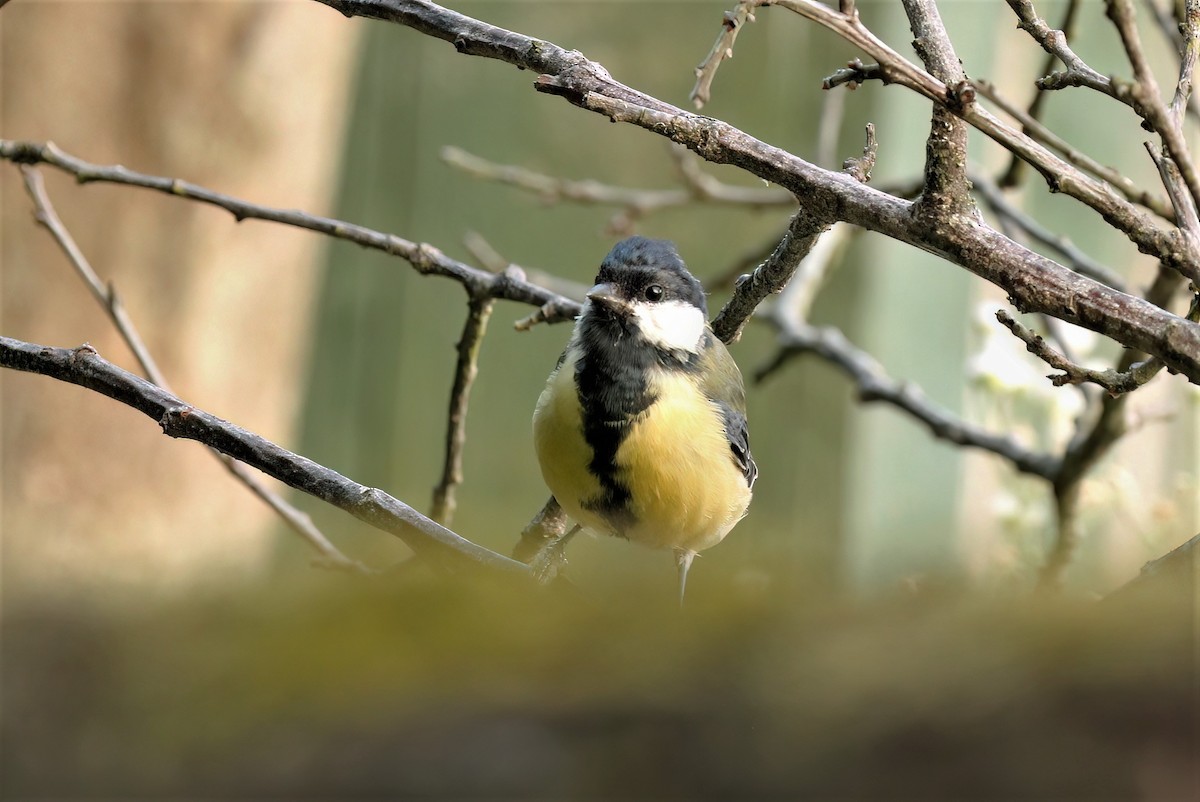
<point>641,430</point>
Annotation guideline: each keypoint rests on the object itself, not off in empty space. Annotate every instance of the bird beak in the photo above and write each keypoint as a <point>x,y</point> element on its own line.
<point>605,297</point>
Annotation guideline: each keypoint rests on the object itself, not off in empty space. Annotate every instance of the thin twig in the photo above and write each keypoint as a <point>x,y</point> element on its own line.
<point>731,25</point>
<point>444,501</point>
<point>1040,133</point>
<point>1185,208</point>
<point>86,368</point>
<point>1115,382</point>
<point>1054,42</point>
<point>106,295</point>
<point>1190,32</point>
<point>1146,98</point>
<point>1013,176</point>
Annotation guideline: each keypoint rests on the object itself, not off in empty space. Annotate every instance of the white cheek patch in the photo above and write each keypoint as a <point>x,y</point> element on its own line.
<point>671,326</point>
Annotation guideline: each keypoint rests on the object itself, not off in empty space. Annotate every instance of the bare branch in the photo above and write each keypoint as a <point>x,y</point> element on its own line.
<point>106,295</point>
<point>947,190</point>
<point>86,368</point>
<point>1190,32</point>
<point>479,309</point>
<point>1146,98</point>
<point>731,25</point>
<point>1039,132</point>
<point>1115,382</point>
<point>427,259</point>
<point>769,277</point>
<point>1060,175</point>
<point>1054,42</point>
<point>1016,167</point>
<point>1034,282</point>
<point>1072,256</point>
<point>874,385</point>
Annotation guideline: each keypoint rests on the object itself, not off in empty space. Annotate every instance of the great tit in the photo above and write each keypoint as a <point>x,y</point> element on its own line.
<point>641,430</point>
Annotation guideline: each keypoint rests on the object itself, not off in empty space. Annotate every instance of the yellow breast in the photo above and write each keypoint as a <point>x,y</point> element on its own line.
<point>686,492</point>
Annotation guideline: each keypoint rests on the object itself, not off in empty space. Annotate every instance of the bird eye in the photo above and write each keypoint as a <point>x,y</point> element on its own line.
<point>654,293</point>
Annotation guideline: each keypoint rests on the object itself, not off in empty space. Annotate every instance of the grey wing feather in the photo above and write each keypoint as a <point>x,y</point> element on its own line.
<point>723,385</point>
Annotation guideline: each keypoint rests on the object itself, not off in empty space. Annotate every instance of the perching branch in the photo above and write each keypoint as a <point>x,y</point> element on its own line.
<point>86,368</point>
<point>106,295</point>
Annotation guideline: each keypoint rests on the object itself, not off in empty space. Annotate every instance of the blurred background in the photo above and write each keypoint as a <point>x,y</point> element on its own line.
<point>159,622</point>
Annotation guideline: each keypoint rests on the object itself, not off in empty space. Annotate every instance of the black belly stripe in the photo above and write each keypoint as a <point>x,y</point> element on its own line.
<point>610,377</point>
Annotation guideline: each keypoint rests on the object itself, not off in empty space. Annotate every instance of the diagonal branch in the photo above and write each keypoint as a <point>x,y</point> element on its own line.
<point>86,368</point>
<point>106,295</point>
<point>1034,282</point>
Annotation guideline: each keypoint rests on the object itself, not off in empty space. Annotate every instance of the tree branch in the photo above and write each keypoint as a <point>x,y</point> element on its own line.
<point>722,49</point>
<point>479,309</point>
<point>1034,282</point>
<point>947,190</point>
<point>86,368</point>
<point>1040,133</point>
<point>873,384</point>
<point>1016,167</point>
<point>106,295</point>
<point>427,259</point>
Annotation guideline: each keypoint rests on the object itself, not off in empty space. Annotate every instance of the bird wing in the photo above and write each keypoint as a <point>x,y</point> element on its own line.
<point>722,384</point>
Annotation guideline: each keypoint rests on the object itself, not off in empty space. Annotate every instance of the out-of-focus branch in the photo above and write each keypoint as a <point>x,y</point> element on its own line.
<point>427,259</point>
<point>86,368</point>
<point>106,295</point>
<point>634,203</point>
